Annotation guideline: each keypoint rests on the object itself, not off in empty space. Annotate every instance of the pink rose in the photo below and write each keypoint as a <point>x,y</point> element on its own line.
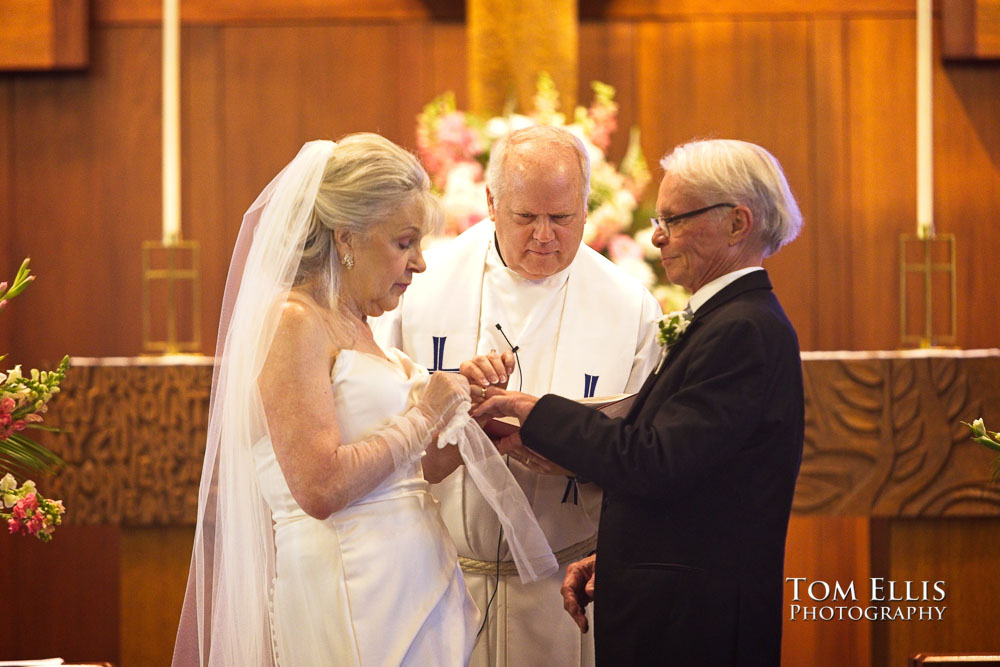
<point>7,404</point>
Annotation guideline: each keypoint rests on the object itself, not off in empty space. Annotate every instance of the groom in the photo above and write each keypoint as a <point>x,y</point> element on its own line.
<point>699,476</point>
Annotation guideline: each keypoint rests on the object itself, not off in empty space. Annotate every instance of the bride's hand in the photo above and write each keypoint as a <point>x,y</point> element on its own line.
<point>444,392</point>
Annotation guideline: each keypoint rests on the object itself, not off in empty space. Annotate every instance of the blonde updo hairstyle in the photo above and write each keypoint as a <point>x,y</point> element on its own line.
<point>366,180</point>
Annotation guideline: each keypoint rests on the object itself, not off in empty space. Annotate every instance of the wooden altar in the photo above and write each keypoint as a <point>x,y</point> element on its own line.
<point>890,486</point>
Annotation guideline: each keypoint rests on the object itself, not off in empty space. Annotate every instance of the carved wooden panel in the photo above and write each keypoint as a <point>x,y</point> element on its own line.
<point>882,437</point>
<point>135,442</point>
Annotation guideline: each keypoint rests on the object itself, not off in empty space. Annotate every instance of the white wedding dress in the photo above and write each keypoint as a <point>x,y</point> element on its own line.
<point>377,583</point>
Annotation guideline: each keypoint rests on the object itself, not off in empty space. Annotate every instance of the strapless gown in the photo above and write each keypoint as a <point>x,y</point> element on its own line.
<point>377,583</point>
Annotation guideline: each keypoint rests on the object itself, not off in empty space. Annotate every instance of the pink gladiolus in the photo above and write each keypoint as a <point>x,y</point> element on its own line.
<point>14,526</point>
<point>34,525</point>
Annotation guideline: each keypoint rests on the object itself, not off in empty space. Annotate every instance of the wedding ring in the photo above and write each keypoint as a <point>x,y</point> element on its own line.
<point>483,389</point>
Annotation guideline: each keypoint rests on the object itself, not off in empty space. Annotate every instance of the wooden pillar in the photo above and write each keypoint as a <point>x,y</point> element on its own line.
<point>510,42</point>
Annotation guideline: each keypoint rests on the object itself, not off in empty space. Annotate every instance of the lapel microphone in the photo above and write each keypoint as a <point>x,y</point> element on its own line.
<point>514,349</point>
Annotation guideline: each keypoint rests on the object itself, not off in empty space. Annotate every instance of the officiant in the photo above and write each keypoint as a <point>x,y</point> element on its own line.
<point>699,476</point>
<point>542,313</point>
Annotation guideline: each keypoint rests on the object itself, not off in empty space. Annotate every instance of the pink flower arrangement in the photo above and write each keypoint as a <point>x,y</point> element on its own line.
<point>23,401</point>
<point>31,514</point>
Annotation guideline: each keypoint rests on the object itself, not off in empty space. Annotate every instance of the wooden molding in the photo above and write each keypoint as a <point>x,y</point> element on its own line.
<point>970,29</point>
<point>43,35</point>
<point>227,12</point>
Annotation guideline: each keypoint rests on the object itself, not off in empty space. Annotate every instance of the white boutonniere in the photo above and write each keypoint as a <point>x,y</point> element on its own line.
<point>672,326</point>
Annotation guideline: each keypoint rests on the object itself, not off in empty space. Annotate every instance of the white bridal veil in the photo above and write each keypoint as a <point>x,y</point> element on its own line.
<point>225,619</point>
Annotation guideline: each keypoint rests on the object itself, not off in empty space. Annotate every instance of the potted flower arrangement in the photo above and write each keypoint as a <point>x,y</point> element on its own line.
<point>23,401</point>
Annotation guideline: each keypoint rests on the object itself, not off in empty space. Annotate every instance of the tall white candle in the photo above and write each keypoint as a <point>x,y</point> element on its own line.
<point>171,123</point>
<point>925,120</point>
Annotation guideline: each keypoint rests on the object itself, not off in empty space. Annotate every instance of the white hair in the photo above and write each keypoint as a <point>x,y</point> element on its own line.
<point>548,134</point>
<point>728,170</point>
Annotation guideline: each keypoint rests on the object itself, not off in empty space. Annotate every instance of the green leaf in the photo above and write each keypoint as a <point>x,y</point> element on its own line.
<point>25,454</point>
<point>987,442</point>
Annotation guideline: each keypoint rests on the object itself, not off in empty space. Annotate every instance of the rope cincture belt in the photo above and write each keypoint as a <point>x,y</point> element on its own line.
<point>507,568</point>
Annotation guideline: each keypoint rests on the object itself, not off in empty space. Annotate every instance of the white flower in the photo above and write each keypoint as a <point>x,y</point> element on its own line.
<point>672,325</point>
<point>638,269</point>
<point>979,427</point>
<point>644,237</point>
<point>8,483</point>
<point>498,126</point>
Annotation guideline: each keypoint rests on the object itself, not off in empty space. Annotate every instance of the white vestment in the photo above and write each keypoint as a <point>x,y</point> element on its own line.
<point>589,330</point>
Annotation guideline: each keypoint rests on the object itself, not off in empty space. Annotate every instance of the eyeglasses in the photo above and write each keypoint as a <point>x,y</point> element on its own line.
<point>664,223</point>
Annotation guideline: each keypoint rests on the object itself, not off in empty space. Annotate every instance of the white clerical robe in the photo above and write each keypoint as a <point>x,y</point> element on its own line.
<point>589,330</point>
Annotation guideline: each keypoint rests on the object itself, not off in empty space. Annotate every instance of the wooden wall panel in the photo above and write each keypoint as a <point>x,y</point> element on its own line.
<point>607,54</point>
<point>154,571</point>
<point>446,53</point>
<point>87,180</point>
<point>8,261</point>
<point>882,154</point>
<point>286,85</point>
<point>961,552</point>
<point>203,165</point>
<point>830,174</point>
<point>701,9</point>
<point>825,548</point>
<point>967,190</point>
<point>737,79</point>
<point>77,571</point>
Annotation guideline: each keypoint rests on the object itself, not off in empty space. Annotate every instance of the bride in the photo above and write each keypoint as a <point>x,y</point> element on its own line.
<point>317,541</point>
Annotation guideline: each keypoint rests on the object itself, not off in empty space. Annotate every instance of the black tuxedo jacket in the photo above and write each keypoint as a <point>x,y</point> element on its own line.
<point>698,481</point>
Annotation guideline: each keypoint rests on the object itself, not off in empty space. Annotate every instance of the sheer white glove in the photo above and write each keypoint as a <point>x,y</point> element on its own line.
<point>443,413</point>
<point>409,434</point>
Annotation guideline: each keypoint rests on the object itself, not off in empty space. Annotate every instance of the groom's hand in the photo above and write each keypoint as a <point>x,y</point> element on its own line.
<point>506,404</point>
<point>578,590</point>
